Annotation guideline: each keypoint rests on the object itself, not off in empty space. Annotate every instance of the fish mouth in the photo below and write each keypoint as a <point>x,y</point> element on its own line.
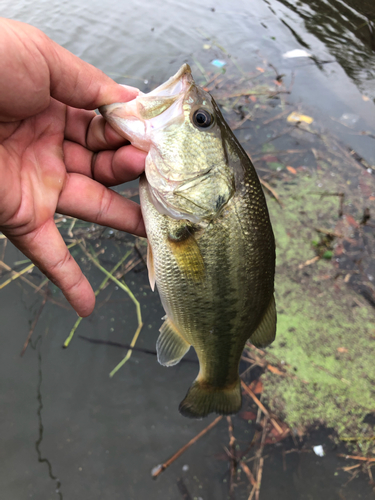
<point>136,120</point>
<point>178,83</point>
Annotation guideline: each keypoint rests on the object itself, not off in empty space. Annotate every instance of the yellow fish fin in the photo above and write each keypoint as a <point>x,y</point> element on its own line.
<point>170,346</point>
<point>203,398</point>
<point>187,253</point>
<point>266,332</point>
<point>150,266</point>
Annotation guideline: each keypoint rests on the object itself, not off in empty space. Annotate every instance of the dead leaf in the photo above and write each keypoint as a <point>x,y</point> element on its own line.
<point>291,170</point>
<point>275,370</point>
<point>295,117</point>
<point>342,349</point>
<point>256,386</point>
<point>351,220</point>
<point>274,436</point>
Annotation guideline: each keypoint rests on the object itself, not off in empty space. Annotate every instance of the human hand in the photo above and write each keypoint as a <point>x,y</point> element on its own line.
<point>56,155</point>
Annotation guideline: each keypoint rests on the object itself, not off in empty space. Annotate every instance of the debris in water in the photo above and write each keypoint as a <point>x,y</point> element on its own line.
<point>218,63</point>
<point>318,450</point>
<point>298,117</point>
<point>348,119</point>
<point>296,53</point>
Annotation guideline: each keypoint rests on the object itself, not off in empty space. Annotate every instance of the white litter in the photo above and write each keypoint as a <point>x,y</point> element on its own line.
<point>318,450</point>
<point>296,53</point>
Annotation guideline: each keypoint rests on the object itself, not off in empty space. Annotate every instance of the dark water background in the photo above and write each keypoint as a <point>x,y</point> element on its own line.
<point>67,429</point>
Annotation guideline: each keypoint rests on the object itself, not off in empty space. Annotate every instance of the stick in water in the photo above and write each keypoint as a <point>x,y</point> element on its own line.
<point>156,471</point>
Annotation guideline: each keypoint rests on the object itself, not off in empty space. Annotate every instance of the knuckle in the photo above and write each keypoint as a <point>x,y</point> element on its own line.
<point>60,263</point>
<point>104,205</point>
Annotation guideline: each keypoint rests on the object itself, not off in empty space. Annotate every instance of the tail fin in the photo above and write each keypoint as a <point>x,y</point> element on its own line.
<point>203,399</point>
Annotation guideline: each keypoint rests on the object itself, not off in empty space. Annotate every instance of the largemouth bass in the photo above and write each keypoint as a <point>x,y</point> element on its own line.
<point>211,248</point>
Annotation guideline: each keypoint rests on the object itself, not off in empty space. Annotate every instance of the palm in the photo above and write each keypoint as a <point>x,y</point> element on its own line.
<point>56,155</point>
<point>53,162</point>
<point>35,173</point>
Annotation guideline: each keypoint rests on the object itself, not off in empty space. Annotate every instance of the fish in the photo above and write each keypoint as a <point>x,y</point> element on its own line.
<point>211,248</point>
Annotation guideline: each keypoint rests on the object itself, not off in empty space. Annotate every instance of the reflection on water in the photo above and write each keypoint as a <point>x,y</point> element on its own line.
<point>347,29</point>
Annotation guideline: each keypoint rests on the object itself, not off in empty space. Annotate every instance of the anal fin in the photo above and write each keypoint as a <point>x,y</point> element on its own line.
<point>266,332</point>
<point>170,346</point>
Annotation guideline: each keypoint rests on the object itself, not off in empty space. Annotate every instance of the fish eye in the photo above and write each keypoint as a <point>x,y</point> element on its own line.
<point>202,118</point>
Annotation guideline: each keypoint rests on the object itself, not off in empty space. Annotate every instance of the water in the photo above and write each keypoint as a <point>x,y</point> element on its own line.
<point>67,429</point>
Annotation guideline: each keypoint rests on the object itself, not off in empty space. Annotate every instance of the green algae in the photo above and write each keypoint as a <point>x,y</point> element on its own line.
<point>325,334</point>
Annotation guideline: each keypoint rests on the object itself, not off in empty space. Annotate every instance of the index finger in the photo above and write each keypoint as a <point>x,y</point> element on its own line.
<point>79,84</point>
<point>46,248</point>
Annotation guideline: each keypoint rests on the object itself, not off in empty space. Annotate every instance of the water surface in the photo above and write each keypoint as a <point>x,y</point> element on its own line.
<point>67,429</point>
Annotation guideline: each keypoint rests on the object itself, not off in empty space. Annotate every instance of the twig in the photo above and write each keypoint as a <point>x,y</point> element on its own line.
<point>16,275</point>
<point>262,407</point>
<point>347,469</point>
<point>102,285</point>
<point>233,461</point>
<point>38,288</point>
<point>356,457</point>
<point>241,122</point>
<point>4,248</point>
<point>285,131</point>
<point>261,460</point>
<point>276,117</point>
<point>309,262</point>
<point>37,316</point>
<point>272,191</point>
<point>70,228</point>
<point>249,474</point>
<point>269,93</point>
<point>156,471</point>
<point>278,153</point>
<point>26,269</point>
<point>210,82</point>
<point>259,479</point>
<point>7,268</point>
<point>124,287</point>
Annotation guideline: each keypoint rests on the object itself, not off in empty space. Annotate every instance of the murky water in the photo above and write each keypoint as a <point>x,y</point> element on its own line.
<point>67,429</point>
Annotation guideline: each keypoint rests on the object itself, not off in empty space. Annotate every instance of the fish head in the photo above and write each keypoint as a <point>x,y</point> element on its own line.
<point>181,128</point>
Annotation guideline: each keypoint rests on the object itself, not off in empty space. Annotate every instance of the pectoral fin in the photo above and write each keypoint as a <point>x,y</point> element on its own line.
<point>266,332</point>
<point>170,346</point>
<point>187,253</point>
<point>150,266</point>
